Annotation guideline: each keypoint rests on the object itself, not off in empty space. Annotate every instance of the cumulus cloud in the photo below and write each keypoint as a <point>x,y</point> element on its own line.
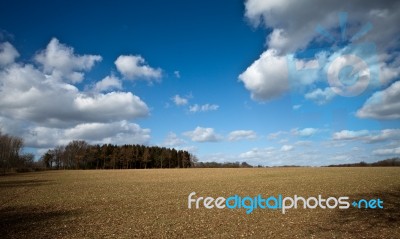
<point>61,61</point>
<point>293,22</point>
<point>8,54</point>
<point>350,135</point>
<point>28,94</point>
<point>108,83</point>
<point>106,104</point>
<point>267,77</point>
<point>383,104</point>
<point>135,67</point>
<point>306,132</point>
<point>293,28</point>
<point>203,108</point>
<point>241,134</point>
<point>387,151</point>
<point>120,132</point>
<point>286,147</point>
<point>203,135</point>
<point>319,96</point>
<point>275,135</point>
<point>172,140</point>
<point>281,156</point>
<point>367,135</point>
<point>257,153</point>
<point>42,105</point>
<point>178,100</point>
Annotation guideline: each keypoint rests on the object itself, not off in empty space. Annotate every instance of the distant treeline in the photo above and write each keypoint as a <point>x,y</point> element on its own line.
<point>222,165</point>
<point>81,155</point>
<point>10,157</point>
<point>383,163</point>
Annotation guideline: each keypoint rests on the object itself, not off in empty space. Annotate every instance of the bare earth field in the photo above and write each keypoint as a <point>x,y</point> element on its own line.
<point>153,203</point>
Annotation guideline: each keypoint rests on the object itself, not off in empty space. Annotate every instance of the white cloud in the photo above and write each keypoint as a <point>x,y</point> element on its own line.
<point>320,96</point>
<point>304,143</point>
<point>61,62</point>
<point>39,106</point>
<point>308,153</point>
<point>275,135</point>
<point>368,136</point>
<point>203,108</point>
<point>296,107</point>
<point>267,77</point>
<point>178,100</point>
<point>203,135</point>
<point>8,54</point>
<point>350,135</point>
<point>286,147</point>
<point>257,153</point>
<point>383,104</point>
<point>293,28</point>
<point>28,94</point>
<point>172,140</point>
<point>387,151</point>
<point>120,132</point>
<point>384,135</point>
<point>177,74</point>
<point>241,134</point>
<point>389,67</point>
<point>108,83</point>
<point>294,22</point>
<point>283,141</point>
<point>134,67</point>
<point>190,149</point>
<point>106,105</point>
<point>306,132</point>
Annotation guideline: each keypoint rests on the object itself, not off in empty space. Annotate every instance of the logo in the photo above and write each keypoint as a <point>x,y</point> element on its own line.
<point>279,202</point>
<point>348,67</point>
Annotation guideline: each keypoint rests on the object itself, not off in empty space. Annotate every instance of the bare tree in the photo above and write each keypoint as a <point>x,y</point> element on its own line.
<point>10,147</point>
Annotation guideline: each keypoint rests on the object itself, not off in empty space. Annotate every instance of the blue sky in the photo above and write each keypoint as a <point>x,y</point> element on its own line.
<point>227,80</point>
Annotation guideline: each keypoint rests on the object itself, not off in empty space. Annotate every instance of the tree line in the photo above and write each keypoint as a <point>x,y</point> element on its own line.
<point>79,154</point>
<point>223,165</point>
<point>11,157</point>
<point>392,162</point>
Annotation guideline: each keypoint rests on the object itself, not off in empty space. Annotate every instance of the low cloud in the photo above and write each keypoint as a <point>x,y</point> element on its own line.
<point>320,96</point>
<point>134,67</point>
<point>120,132</point>
<point>294,31</point>
<point>108,83</point>
<point>178,100</point>
<point>296,107</point>
<point>172,140</point>
<point>203,108</point>
<point>242,135</point>
<point>383,105</point>
<point>306,132</point>
<point>40,102</point>
<point>387,151</point>
<point>286,148</point>
<point>368,136</point>
<point>8,53</point>
<point>203,135</point>
<point>62,63</point>
<point>267,77</point>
